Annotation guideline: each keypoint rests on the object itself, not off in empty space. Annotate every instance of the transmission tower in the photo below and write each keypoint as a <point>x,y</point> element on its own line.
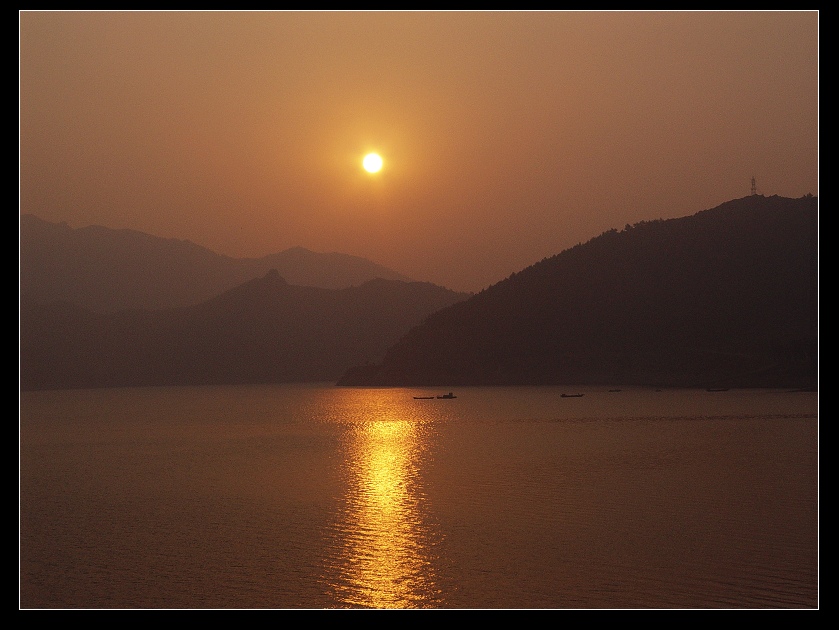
<point>754,186</point>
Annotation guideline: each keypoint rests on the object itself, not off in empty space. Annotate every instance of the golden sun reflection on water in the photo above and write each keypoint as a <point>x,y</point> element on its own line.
<point>382,547</point>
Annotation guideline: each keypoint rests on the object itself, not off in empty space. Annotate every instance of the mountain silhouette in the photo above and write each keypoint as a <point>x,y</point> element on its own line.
<point>726,297</point>
<point>263,331</point>
<point>106,270</point>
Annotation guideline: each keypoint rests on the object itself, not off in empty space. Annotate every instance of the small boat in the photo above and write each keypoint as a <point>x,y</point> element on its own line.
<point>449,395</point>
<point>571,395</point>
<point>717,389</point>
<point>423,397</point>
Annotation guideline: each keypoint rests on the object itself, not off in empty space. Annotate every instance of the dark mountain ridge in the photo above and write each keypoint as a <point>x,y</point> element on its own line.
<point>726,297</point>
<point>106,270</point>
<point>263,331</point>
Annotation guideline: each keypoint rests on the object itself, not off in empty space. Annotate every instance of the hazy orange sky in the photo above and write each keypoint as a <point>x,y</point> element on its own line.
<point>506,137</point>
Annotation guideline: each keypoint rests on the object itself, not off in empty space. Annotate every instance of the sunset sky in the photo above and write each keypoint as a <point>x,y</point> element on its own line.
<point>506,137</point>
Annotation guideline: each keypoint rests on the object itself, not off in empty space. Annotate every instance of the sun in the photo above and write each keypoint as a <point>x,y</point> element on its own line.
<point>372,162</point>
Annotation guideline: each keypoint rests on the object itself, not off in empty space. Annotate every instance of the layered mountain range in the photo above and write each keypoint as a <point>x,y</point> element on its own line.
<point>727,297</point>
<point>108,308</point>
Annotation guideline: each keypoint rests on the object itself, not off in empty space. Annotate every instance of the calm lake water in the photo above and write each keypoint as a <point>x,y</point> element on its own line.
<point>314,496</point>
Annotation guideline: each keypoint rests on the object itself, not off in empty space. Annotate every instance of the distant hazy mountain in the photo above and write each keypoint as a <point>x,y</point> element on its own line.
<point>726,297</point>
<point>107,270</point>
<point>264,331</point>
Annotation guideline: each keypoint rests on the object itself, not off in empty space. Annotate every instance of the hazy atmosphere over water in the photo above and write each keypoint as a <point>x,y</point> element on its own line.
<point>506,137</point>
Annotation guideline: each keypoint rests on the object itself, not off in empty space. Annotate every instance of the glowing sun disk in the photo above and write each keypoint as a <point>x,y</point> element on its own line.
<point>372,163</point>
